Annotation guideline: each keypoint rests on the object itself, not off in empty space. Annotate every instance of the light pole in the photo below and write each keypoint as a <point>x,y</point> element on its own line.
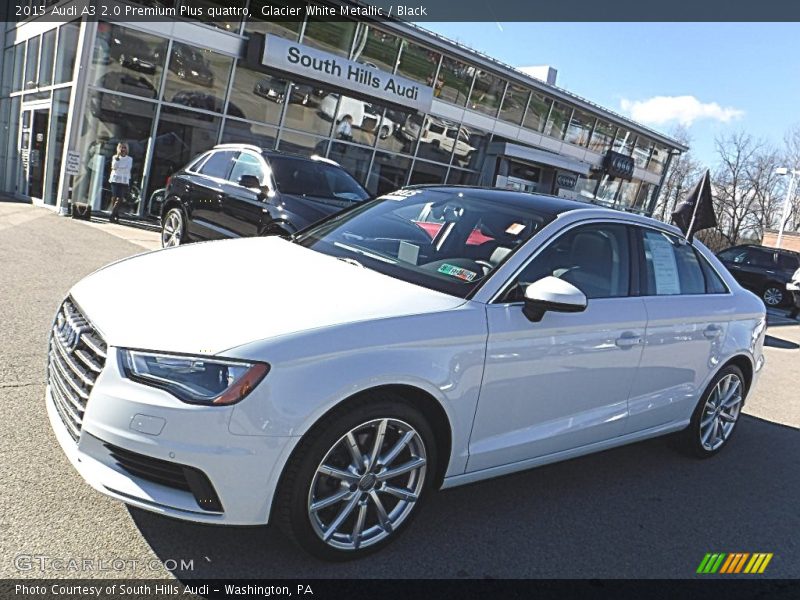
<point>787,203</point>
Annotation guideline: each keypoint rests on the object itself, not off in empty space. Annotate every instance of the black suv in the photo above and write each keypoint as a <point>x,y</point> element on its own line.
<point>762,270</point>
<point>238,190</point>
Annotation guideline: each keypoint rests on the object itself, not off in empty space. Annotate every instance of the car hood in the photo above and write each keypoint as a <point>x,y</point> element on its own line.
<point>209,297</point>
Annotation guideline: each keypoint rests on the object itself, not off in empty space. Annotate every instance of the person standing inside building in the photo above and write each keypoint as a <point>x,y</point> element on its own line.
<point>121,165</point>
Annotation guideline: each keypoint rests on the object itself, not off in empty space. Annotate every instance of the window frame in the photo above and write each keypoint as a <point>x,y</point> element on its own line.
<point>641,264</point>
<point>224,178</point>
<point>500,297</point>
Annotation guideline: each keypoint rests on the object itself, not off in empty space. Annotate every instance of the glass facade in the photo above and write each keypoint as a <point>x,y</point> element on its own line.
<point>170,99</point>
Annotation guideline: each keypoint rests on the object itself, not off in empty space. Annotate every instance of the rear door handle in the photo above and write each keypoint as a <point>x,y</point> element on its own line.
<point>628,340</point>
<point>712,331</point>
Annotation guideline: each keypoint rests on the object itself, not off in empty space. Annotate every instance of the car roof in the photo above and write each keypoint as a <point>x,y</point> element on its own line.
<point>554,205</point>
<point>768,248</point>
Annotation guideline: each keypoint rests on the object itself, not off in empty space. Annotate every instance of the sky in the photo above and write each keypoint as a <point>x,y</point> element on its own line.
<point>713,78</point>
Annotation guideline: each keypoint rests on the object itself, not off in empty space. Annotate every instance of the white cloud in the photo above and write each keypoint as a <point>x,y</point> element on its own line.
<point>685,110</point>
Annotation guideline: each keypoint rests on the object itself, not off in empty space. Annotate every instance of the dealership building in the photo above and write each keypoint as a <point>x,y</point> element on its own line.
<point>420,108</point>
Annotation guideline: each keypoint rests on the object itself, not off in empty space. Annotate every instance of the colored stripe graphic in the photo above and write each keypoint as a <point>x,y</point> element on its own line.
<point>721,562</point>
<point>740,564</point>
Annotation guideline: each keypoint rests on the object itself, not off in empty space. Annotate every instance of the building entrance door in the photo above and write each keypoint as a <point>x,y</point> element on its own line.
<point>35,123</point>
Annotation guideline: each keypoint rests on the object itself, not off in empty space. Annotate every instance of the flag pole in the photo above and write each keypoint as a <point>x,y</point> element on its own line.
<point>689,232</point>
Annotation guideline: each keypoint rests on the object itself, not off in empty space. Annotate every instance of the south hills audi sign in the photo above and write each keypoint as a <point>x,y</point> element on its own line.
<point>311,63</point>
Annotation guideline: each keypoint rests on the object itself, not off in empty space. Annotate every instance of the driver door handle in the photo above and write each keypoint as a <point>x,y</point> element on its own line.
<point>628,340</point>
<point>712,331</point>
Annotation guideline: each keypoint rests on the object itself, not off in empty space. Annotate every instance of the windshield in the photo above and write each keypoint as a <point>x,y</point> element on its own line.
<point>309,178</point>
<point>449,241</point>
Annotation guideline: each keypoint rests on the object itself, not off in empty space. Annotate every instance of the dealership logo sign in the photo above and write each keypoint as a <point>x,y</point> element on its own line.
<point>734,563</point>
<point>566,180</point>
<point>618,165</point>
<point>304,61</point>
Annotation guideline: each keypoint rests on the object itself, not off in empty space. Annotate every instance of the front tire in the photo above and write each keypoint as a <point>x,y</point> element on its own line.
<point>173,228</point>
<point>717,414</point>
<point>357,478</point>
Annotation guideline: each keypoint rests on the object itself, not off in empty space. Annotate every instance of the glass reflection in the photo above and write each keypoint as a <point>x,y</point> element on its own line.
<point>514,103</point>
<point>354,159</point>
<point>425,172</point>
<point>417,63</point>
<point>67,48</point>
<point>580,128</point>
<point>375,47</point>
<point>557,121</point>
<point>197,76</point>
<point>389,172</point>
<point>305,145</point>
<point>181,135</point>
<point>486,93</point>
<point>538,110</point>
<point>284,28</point>
<point>602,137</point>
<point>48,54</point>
<point>454,81</point>
<point>240,132</point>
<point>112,119</point>
<point>331,36</point>
<point>259,96</point>
<point>311,109</point>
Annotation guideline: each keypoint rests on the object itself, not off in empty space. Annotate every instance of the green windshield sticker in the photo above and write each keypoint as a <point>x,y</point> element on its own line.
<point>454,271</point>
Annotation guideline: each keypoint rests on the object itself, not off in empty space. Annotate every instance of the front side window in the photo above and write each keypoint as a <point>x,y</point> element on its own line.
<point>443,240</point>
<point>672,266</point>
<point>594,258</point>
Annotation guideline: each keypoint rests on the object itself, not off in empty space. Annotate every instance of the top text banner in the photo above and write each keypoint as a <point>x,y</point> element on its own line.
<point>416,11</point>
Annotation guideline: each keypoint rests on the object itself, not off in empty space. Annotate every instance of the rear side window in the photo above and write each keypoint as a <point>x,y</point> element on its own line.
<point>247,164</point>
<point>672,266</point>
<point>218,164</point>
<point>788,262</point>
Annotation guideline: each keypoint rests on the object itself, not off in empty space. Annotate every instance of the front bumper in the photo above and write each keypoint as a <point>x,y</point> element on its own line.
<point>243,470</point>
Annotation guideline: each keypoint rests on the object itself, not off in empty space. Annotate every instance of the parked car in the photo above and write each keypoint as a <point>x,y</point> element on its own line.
<point>331,382</point>
<point>273,88</point>
<point>363,114</point>
<point>189,63</point>
<point>762,270</point>
<point>238,190</point>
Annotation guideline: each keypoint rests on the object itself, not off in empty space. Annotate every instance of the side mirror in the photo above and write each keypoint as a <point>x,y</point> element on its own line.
<point>552,293</point>
<point>250,181</point>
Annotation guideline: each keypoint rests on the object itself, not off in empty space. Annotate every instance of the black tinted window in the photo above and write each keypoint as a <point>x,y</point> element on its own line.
<point>310,178</point>
<point>593,258</point>
<point>218,164</point>
<point>714,283</point>
<point>788,262</point>
<point>759,258</point>
<point>671,266</point>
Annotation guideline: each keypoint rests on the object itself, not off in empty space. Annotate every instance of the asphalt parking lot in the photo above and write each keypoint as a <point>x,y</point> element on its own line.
<point>641,511</point>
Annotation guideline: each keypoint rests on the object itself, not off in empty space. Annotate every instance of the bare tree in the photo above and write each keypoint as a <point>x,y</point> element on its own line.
<point>792,161</point>
<point>735,193</point>
<point>684,172</point>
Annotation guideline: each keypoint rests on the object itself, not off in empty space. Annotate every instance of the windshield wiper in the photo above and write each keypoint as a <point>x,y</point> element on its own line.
<point>365,253</point>
<point>350,261</point>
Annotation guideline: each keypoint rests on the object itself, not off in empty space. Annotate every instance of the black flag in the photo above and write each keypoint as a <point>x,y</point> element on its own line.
<point>696,211</point>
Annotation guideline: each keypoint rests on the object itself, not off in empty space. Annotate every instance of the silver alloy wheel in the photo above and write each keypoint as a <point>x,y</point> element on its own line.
<point>172,231</point>
<point>367,484</point>
<point>773,296</point>
<point>721,412</point>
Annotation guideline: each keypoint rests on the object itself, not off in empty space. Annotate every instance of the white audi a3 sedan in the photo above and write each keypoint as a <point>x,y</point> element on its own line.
<point>433,337</point>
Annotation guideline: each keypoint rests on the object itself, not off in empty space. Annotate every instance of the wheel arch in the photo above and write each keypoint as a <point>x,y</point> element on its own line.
<point>169,203</point>
<point>745,365</point>
<point>427,404</point>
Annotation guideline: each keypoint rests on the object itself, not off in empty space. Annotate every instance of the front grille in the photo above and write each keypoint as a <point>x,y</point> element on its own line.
<point>169,474</point>
<point>76,356</point>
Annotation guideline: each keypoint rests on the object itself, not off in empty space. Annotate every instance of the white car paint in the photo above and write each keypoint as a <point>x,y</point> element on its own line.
<point>516,394</point>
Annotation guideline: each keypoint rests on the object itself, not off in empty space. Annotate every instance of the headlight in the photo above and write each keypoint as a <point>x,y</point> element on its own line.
<point>194,379</point>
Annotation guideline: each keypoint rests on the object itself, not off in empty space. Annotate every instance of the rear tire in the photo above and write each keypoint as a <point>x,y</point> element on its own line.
<point>716,415</point>
<point>337,498</point>
<point>773,295</point>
